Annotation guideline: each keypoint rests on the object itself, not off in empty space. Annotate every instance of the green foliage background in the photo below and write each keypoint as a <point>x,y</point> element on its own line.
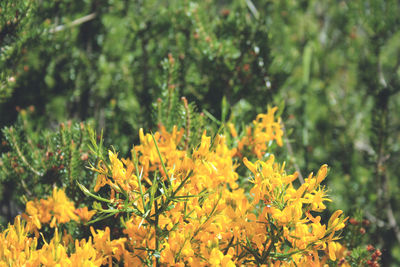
<point>333,65</point>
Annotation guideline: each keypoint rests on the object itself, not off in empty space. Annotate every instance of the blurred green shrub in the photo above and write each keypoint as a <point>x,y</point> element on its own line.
<point>35,160</point>
<point>334,64</point>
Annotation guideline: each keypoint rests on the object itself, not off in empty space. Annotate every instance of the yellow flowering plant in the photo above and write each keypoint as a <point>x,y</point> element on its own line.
<point>171,204</point>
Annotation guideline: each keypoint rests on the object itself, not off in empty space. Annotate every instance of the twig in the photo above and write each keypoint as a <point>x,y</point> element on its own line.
<point>26,188</point>
<point>392,221</point>
<point>380,168</point>
<point>186,106</point>
<point>380,223</point>
<point>382,79</point>
<point>73,23</point>
<point>374,220</point>
<point>23,158</point>
<point>290,151</point>
<point>252,9</point>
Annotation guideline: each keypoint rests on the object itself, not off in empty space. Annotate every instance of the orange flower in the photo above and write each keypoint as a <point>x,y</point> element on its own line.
<point>55,209</point>
<point>84,214</point>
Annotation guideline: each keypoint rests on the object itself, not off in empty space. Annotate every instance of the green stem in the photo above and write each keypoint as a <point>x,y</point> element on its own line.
<point>22,156</point>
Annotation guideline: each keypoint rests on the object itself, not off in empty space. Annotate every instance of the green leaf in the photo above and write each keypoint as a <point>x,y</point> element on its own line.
<point>307,56</point>
<point>162,161</point>
<point>89,194</point>
<point>224,109</point>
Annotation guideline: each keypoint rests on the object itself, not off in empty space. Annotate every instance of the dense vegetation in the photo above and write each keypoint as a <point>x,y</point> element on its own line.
<point>71,69</point>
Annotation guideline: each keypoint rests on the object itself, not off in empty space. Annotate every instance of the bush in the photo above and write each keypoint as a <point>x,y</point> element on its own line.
<point>120,65</point>
<point>175,204</point>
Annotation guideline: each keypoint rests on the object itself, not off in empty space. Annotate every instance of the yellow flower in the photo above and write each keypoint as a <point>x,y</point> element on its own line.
<point>62,208</point>
<point>217,258</point>
<point>316,199</point>
<point>84,214</point>
<point>265,129</point>
<point>212,221</point>
<point>16,247</point>
<point>55,209</point>
<point>107,247</point>
<point>85,254</point>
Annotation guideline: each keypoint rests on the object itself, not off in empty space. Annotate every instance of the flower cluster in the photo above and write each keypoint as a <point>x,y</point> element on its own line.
<point>19,248</point>
<point>180,207</point>
<point>54,210</point>
<point>257,136</point>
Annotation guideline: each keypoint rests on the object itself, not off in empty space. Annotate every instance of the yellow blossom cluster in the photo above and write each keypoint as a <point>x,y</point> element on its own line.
<point>54,210</point>
<point>19,248</point>
<point>185,208</point>
<point>257,136</point>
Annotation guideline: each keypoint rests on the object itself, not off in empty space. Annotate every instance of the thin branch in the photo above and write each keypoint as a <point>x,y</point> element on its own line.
<point>380,223</point>
<point>392,221</point>
<point>26,188</point>
<point>253,9</point>
<point>187,138</point>
<point>290,151</point>
<point>380,168</point>
<point>374,220</point>
<point>382,79</point>
<point>73,23</point>
<point>23,158</point>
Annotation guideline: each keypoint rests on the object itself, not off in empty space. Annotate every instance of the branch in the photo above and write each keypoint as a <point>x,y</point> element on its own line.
<point>374,220</point>
<point>22,156</point>
<point>73,23</point>
<point>252,9</point>
<point>380,223</point>
<point>392,221</point>
<point>382,79</point>
<point>26,188</point>
<point>186,106</point>
<point>380,168</point>
<point>290,151</point>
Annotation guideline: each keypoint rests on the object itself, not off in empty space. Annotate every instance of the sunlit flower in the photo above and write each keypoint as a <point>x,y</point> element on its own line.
<point>185,208</point>
<point>84,214</point>
<point>53,210</point>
